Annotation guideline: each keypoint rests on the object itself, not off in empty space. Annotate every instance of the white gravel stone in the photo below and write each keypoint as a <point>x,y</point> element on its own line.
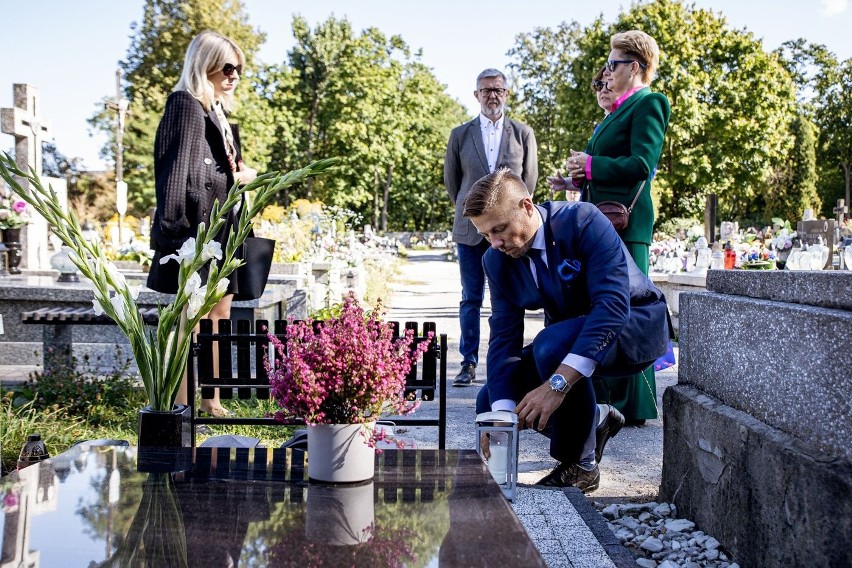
<point>644,516</point>
<point>652,544</point>
<point>711,543</point>
<point>712,554</point>
<point>675,545</point>
<point>646,563</point>
<point>628,522</point>
<point>667,564</point>
<point>663,509</point>
<point>610,512</point>
<point>680,525</point>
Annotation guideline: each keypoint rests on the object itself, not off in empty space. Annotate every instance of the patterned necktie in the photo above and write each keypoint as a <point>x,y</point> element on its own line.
<point>545,283</point>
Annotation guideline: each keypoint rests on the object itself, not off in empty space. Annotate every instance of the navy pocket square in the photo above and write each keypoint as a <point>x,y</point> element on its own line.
<point>569,269</point>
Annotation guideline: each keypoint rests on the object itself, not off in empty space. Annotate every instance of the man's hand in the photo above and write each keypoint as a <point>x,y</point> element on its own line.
<point>485,445</point>
<point>536,408</point>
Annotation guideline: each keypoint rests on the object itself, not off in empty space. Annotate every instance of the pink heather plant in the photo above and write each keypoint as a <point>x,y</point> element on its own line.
<point>349,371</point>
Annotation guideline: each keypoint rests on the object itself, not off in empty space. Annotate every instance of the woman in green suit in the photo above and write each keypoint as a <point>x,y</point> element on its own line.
<point>620,161</point>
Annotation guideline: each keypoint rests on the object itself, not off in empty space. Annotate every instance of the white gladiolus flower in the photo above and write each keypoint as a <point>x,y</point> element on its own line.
<point>196,301</point>
<point>192,284</point>
<point>184,253</point>
<point>212,249</point>
<point>134,292</point>
<point>222,285</point>
<point>117,302</point>
<point>97,306</point>
<point>115,275</point>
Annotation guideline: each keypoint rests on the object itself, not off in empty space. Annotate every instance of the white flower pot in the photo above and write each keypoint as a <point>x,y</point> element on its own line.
<point>338,453</point>
<point>340,515</point>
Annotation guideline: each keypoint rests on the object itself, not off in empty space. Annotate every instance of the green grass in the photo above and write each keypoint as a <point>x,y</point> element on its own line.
<point>105,408</point>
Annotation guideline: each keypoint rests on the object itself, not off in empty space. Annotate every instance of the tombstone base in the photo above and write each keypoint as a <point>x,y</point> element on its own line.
<point>772,499</point>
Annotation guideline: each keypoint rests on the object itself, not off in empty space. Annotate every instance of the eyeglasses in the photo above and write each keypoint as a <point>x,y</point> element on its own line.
<point>229,69</point>
<point>599,86</point>
<point>610,65</point>
<point>489,92</point>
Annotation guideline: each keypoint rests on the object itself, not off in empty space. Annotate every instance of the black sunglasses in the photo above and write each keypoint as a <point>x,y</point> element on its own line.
<point>599,85</point>
<point>229,69</point>
<point>610,65</point>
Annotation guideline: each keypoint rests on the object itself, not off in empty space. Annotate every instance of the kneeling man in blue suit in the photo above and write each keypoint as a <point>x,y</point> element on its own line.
<point>603,318</point>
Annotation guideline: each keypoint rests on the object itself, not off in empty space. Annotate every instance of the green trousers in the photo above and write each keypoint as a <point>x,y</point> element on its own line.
<point>635,396</point>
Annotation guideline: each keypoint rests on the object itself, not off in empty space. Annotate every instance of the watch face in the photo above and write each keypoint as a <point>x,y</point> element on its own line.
<point>558,382</point>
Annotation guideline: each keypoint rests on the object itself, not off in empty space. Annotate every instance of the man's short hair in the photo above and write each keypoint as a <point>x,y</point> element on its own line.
<point>491,190</point>
<point>489,73</point>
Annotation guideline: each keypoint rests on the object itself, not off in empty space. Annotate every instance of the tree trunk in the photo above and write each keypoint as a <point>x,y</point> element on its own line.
<point>376,201</point>
<point>385,198</point>
<point>309,183</point>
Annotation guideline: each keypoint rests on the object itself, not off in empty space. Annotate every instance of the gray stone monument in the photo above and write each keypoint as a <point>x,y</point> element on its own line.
<point>757,445</point>
<point>30,129</point>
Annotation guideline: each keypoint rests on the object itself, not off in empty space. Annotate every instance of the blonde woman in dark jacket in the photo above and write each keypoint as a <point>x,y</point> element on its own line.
<point>197,158</point>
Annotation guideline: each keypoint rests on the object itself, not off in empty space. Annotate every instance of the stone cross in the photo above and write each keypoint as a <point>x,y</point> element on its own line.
<point>29,128</point>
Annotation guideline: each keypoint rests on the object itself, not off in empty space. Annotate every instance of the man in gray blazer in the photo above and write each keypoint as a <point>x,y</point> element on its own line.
<point>477,148</point>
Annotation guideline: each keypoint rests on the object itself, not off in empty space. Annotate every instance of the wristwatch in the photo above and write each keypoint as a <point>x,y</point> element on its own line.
<point>559,383</point>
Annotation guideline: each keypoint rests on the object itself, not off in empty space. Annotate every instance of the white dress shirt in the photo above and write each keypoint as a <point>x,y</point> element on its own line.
<point>492,136</point>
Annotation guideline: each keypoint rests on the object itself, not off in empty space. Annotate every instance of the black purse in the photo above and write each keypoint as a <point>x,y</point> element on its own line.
<point>617,213</point>
<point>252,276</point>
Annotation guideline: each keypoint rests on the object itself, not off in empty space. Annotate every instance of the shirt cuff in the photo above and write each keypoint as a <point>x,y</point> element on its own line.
<point>589,168</point>
<point>504,404</point>
<point>582,365</point>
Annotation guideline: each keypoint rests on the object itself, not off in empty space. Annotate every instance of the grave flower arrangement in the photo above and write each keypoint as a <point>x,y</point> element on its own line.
<point>13,211</point>
<point>783,238</point>
<point>161,354</point>
<point>346,370</point>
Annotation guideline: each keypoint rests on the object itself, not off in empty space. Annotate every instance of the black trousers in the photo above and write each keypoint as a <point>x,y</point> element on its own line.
<point>572,426</point>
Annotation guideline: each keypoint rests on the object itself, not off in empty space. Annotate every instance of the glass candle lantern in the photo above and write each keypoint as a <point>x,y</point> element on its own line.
<point>499,429</point>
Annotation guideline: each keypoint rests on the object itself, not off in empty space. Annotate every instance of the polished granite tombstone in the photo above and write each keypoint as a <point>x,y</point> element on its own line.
<point>100,506</point>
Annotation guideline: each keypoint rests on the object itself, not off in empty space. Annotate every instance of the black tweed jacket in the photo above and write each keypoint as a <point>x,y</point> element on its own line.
<point>191,170</point>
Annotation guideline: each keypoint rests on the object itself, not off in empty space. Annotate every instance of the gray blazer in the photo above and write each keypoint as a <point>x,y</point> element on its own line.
<point>466,162</point>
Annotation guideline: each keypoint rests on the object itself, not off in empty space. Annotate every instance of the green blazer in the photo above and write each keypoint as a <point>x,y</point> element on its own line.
<point>625,150</point>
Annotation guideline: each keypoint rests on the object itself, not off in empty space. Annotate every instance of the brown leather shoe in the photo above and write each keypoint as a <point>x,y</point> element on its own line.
<point>572,475</point>
<point>607,429</point>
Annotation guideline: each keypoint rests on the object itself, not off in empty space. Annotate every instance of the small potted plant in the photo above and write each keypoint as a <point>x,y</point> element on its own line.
<point>340,375</point>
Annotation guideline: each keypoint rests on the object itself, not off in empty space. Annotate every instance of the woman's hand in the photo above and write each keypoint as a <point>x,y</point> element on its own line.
<point>245,175</point>
<point>559,183</point>
<point>576,165</point>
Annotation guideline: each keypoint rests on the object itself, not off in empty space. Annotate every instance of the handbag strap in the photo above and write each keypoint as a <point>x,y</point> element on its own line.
<point>587,191</point>
<point>636,197</point>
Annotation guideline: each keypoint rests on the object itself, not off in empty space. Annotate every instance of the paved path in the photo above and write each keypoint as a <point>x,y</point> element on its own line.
<point>427,289</point>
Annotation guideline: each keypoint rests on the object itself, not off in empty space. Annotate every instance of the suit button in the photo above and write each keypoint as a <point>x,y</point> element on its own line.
<point>208,185</point>
<point>208,161</point>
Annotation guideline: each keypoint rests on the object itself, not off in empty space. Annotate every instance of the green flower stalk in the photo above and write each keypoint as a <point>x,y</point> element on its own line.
<point>161,355</point>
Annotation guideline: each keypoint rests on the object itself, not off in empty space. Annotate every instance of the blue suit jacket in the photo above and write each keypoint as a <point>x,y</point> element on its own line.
<point>599,281</point>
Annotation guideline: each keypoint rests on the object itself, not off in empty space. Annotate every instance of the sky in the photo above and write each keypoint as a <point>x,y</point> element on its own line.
<point>70,49</point>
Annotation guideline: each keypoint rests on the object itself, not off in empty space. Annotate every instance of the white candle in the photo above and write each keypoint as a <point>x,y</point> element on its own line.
<point>499,456</point>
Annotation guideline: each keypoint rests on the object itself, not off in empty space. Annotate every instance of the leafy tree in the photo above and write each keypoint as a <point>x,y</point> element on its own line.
<point>367,98</point>
<point>794,182</point>
<point>722,138</point>
<point>824,93</point>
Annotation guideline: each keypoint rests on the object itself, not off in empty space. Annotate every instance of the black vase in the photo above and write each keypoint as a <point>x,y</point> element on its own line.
<point>165,429</point>
<point>12,240</point>
<point>160,432</point>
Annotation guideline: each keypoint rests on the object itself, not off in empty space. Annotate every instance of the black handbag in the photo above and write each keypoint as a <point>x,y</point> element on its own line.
<point>252,276</point>
<point>617,213</point>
